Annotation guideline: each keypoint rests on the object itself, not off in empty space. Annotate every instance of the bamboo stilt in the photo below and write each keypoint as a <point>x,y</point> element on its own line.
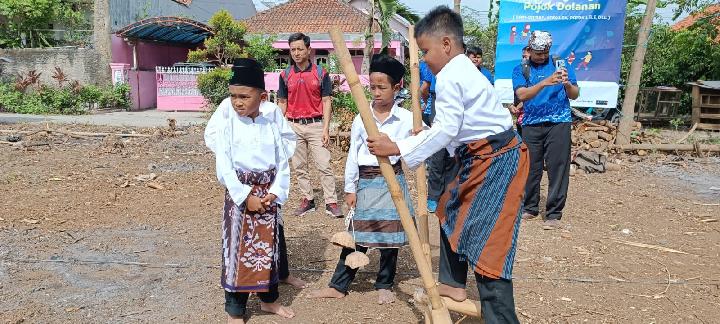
<point>420,176</point>
<point>440,314</point>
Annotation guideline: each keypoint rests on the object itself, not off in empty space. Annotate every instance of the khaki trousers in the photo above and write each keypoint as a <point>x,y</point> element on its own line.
<point>309,142</point>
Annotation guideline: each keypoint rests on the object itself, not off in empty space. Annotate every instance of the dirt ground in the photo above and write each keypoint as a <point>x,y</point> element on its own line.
<point>82,240</point>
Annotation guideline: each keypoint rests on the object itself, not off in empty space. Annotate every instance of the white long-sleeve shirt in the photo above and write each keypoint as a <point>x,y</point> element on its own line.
<point>241,143</point>
<point>398,125</point>
<point>467,109</point>
<point>268,110</point>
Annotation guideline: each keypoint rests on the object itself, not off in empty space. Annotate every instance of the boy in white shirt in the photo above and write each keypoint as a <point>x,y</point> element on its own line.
<point>376,223</point>
<point>272,112</point>
<point>480,212</point>
<point>252,164</point>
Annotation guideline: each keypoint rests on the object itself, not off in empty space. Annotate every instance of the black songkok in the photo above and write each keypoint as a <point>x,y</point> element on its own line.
<point>247,72</point>
<point>385,64</point>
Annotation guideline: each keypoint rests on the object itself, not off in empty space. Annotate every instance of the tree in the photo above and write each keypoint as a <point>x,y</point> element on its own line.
<point>380,11</point>
<point>479,34</point>
<point>404,11</point>
<point>225,44</point>
<point>261,49</point>
<point>26,22</point>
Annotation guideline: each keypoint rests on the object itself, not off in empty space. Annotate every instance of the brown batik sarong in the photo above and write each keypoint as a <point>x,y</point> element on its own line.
<point>249,239</point>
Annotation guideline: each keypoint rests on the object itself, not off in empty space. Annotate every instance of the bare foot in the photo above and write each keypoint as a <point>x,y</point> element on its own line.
<point>235,320</point>
<point>278,309</point>
<point>385,296</point>
<point>325,293</point>
<point>295,282</point>
<point>457,294</point>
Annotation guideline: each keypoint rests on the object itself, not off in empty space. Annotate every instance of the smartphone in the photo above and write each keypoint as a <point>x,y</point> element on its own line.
<point>559,65</point>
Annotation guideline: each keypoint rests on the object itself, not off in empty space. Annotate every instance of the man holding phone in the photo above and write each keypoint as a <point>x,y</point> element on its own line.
<point>545,88</point>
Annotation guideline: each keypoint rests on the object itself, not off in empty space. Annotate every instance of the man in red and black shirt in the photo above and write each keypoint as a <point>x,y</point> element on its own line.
<point>304,94</point>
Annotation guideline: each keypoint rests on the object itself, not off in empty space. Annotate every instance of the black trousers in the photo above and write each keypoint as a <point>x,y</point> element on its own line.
<point>236,302</point>
<point>441,168</point>
<point>549,145</point>
<point>496,295</point>
<point>283,263</point>
<point>344,275</point>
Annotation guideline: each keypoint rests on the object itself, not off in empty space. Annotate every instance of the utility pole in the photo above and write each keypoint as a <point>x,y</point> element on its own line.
<point>457,6</point>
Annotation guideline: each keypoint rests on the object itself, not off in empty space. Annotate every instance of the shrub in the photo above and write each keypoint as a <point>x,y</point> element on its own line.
<point>214,85</point>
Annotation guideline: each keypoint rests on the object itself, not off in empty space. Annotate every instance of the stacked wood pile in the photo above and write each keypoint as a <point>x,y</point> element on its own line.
<point>597,136</point>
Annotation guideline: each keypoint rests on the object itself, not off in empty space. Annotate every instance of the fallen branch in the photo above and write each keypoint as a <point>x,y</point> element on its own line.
<point>688,134</point>
<point>669,147</point>
<point>81,135</point>
<point>136,313</point>
<point>661,294</point>
<point>701,204</point>
<point>649,246</point>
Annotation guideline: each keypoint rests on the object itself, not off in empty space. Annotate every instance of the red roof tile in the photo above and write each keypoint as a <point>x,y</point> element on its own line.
<point>309,16</point>
<point>690,20</point>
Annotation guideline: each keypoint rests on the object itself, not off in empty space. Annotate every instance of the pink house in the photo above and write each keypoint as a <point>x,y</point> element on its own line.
<point>315,18</point>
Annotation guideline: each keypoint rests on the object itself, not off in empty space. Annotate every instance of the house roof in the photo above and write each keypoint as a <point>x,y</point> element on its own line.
<point>713,10</point>
<point>176,30</point>
<point>309,16</point>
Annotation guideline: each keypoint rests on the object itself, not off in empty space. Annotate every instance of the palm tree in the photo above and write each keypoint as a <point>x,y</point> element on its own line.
<point>386,9</point>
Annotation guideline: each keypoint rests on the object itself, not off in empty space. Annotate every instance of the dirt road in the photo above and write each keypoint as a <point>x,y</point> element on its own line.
<point>83,240</point>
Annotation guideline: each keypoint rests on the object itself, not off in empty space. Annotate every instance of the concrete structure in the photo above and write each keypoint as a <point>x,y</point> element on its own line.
<point>77,63</point>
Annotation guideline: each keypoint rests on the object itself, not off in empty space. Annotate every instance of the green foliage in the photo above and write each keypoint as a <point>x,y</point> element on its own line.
<point>344,101</point>
<point>32,18</point>
<point>677,122</point>
<point>214,85</point>
<point>673,58</point>
<point>117,96</point>
<point>387,9</point>
<point>484,36</point>
<point>224,46</point>
<point>404,11</point>
<point>66,100</point>
<point>260,48</point>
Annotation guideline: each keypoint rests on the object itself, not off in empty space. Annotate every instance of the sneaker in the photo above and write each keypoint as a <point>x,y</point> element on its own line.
<point>333,210</point>
<point>305,207</point>
<point>527,216</point>
<point>432,205</point>
<point>551,224</point>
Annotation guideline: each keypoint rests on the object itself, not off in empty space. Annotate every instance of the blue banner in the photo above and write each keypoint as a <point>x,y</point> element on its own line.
<point>587,34</point>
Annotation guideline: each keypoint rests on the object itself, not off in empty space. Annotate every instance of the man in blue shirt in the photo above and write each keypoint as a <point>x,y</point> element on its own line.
<point>475,54</point>
<point>441,168</point>
<point>546,92</point>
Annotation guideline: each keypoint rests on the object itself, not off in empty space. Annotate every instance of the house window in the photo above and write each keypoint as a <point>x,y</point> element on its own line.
<point>321,57</point>
<point>283,59</point>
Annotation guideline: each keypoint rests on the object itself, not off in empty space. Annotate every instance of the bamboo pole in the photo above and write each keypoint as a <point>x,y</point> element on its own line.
<point>466,307</point>
<point>420,177</point>
<point>439,313</point>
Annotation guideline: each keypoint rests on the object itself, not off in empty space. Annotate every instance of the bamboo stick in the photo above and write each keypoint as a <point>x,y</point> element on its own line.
<point>440,314</point>
<point>420,176</point>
